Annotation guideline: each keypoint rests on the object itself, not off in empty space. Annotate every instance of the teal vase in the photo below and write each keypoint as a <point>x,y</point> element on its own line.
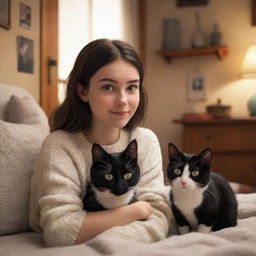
<point>215,36</point>
<point>252,105</point>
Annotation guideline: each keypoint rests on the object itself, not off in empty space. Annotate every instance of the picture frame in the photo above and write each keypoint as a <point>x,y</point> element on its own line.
<point>25,54</point>
<point>196,87</point>
<point>189,3</point>
<point>5,20</point>
<point>25,15</point>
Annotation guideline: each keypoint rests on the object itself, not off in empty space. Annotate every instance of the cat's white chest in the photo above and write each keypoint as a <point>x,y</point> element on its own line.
<point>187,201</point>
<point>111,201</point>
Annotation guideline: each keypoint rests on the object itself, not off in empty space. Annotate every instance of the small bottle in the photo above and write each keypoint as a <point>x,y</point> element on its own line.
<point>216,36</point>
<point>198,37</point>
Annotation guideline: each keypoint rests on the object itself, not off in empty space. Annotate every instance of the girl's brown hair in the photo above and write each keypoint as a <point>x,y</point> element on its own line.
<point>74,114</point>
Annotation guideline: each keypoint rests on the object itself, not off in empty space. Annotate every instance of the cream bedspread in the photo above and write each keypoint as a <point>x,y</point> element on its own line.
<point>237,241</point>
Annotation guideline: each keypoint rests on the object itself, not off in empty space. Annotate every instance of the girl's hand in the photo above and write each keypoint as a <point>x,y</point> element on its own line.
<point>141,210</point>
<point>97,222</point>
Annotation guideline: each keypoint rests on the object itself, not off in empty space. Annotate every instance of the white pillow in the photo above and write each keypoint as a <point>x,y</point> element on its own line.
<point>21,136</point>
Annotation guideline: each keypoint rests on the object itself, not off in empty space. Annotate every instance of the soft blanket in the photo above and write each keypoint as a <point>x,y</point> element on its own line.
<point>240,240</point>
<point>237,241</point>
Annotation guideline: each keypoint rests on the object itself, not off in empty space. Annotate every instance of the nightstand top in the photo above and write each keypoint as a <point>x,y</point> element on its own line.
<point>218,121</point>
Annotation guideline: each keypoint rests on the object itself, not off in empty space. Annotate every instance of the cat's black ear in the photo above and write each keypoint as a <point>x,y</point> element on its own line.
<point>206,154</point>
<point>132,149</point>
<point>174,153</point>
<point>97,152</point>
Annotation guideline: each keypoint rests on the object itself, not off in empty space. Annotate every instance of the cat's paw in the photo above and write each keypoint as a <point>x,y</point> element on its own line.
<point>183,230</point>
<point>203,228</point>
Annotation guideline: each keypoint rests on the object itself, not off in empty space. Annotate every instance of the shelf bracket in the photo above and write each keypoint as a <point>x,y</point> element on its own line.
<point>221,52</point>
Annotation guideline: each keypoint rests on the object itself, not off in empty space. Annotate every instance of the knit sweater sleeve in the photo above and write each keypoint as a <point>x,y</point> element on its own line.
<point>56,187</point>
<point>151,189</point>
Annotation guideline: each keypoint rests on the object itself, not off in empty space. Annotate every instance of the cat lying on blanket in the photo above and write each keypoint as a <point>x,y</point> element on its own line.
<point>201,200</point>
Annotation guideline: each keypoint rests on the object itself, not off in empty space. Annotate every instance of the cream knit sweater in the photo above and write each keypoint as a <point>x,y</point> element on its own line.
<point>62,173</point>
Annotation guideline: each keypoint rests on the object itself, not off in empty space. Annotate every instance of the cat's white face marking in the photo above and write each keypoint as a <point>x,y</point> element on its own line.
<point>184,182</point>
<point>187,196</point>
<point>110,201</point>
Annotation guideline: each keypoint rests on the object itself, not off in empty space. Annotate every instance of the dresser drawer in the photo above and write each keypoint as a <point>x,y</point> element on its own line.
<point>236,167</point>
<point>220,137</point>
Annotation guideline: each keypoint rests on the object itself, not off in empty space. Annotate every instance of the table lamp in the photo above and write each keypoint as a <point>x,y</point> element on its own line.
<point>248,71</point>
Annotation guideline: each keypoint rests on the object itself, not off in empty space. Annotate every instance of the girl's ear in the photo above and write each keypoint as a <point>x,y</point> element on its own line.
<point>81,91</point>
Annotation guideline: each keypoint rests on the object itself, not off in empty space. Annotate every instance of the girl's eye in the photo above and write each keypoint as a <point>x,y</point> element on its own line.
<point>127,176</point>
<point>133,87</point>
<point>177,171</point>
<point>195,173</point>
<point>107,87</point>
<point>108,176</point>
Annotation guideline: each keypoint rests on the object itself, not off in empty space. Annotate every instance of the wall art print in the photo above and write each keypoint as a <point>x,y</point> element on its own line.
<point>25,15</point>
<point>25,52</point>
<point>5,14</point>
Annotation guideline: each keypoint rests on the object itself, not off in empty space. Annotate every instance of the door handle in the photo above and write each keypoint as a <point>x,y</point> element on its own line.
<point>50,64</point>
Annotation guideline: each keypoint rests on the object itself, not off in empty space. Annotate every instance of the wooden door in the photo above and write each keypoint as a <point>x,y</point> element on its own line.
<point>49,55</point>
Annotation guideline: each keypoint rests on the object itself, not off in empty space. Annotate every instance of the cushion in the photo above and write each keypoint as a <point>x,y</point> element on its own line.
<point>6,91</point>
<point>21,134</point>
<point>25,110</point>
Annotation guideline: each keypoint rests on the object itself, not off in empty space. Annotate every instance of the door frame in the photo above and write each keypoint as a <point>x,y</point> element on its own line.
<point>49,53</point>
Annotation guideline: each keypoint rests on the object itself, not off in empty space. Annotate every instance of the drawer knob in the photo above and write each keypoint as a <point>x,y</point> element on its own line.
<point>208,137</point>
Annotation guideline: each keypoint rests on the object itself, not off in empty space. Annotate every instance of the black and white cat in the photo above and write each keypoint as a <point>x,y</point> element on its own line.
<point>201,200</point>
<point>113,178</point>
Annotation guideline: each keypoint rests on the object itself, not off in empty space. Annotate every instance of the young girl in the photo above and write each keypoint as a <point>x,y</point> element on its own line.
<point>105,101</point>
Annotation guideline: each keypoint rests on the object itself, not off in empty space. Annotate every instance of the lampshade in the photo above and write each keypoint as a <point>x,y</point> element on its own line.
<point>248,71</point>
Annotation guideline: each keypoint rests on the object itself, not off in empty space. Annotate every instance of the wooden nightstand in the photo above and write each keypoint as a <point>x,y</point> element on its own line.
<point>233,142</point>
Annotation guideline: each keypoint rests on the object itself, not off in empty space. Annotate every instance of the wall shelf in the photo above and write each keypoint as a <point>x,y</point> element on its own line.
<point>220,51</point>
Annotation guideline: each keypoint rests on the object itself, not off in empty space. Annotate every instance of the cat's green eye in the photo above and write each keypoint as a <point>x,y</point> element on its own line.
<point>108,176</point>
<point>128,175</point>
<point>195,173</point>
<point>177,171</point>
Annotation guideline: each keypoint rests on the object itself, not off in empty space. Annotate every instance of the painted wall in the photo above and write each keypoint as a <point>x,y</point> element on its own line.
<point>166,84</point>
<point>8,49</point>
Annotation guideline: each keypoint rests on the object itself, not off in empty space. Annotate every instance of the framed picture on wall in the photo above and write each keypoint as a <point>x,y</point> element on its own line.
<point>25,53</point>
<point>196,86</point>
<point>5,14</point>
<point>25,15</point>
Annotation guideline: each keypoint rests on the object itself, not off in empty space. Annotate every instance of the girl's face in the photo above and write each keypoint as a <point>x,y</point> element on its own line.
<point>113,94</point>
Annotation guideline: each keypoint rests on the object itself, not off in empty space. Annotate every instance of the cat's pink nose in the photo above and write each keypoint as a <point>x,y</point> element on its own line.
<point>183,182</point>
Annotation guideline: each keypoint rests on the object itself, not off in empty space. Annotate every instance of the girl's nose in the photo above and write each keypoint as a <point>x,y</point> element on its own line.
<point>121,98</point>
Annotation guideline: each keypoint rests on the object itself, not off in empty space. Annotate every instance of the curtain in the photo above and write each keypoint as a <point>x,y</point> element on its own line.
<point>130,22</point>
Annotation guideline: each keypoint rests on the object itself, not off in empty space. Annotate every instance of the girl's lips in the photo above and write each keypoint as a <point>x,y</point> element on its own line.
<point>119,113</point>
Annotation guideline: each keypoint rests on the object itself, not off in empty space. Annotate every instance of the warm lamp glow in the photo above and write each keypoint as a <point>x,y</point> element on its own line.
<point>248,69</point>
